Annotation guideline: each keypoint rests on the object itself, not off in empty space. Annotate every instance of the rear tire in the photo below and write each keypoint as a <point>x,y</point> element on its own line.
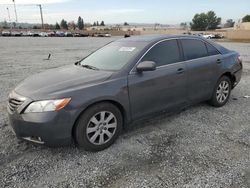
<point>221,92</point>
<point>98,127</point>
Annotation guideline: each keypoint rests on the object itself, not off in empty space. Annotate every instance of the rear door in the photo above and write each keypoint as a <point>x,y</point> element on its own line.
<point>163,88</point>
<point>203,67</point>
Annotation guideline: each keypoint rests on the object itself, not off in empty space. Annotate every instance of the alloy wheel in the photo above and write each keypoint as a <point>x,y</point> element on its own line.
<point>222,92</point>
<point>101,127</point>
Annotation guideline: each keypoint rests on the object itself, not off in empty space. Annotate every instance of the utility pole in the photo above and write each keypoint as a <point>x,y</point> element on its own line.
<point>8,13</point>
<point>9,18</point>
<point>15,10</point>
<point>41,12</point>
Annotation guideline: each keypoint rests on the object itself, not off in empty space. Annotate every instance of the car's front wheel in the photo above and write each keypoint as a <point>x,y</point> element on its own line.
<point>221,92</point>
<point>98,127</point>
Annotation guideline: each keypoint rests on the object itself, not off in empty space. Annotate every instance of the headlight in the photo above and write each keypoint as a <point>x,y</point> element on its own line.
<point>47,105</point>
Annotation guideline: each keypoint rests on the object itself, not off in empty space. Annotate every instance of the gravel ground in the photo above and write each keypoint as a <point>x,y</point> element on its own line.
<point>199,147</point>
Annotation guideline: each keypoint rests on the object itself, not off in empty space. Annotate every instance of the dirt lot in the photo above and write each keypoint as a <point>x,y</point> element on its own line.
<point>199,147</point>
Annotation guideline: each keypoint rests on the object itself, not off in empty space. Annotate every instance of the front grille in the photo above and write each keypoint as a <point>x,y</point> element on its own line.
<point>15,101</point>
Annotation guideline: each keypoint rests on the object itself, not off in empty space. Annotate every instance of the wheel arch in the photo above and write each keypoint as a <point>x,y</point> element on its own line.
<point>230,76</point>
<point>115,103</point>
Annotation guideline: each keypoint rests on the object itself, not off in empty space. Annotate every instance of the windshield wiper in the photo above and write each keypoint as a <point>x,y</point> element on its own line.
<point>90,67</point>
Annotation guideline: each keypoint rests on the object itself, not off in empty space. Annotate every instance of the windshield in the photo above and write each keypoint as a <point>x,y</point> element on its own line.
<point>113,56</point>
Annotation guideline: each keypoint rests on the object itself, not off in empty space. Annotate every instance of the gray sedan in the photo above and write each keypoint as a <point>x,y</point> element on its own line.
<point>90,102</point>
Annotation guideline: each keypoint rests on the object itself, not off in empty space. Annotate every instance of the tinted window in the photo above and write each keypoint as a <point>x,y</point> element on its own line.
<point>211,50</point>
<point>164,53</point>
<point>194,49</point>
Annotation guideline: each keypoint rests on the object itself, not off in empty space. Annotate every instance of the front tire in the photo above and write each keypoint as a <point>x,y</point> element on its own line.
<point>221,92</point>
<point>98,127</point>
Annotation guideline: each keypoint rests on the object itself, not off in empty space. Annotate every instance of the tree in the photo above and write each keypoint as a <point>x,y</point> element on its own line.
<point>64,24</point>
<point>205,21</point>
<point>184,25</point>
<point>246,18</point>
<point>5,24</point>
<point>94,24</point>
<point>80,23</point>
<point>57,27</point>
<point>229,23</point>
<point>212,20</point>
<point>97,23</point>
<point>125,24</point>
<point>72,25</point>
<point>102,23</point>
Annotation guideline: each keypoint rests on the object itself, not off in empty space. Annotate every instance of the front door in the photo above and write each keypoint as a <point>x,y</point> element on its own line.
<point>163,88</point>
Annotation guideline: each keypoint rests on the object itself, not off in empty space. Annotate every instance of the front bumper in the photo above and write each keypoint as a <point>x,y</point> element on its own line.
<point>49,128</point>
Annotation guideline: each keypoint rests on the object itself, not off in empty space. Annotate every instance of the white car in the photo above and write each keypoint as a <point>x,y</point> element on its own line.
<point>208,36</point>
<point>43,34</point>
<point>6,33</point>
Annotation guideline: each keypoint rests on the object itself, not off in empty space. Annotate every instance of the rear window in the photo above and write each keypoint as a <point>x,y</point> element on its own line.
<point>194,49</point>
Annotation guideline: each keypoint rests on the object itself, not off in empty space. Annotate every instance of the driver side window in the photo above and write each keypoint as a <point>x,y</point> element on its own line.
<point>164,53</point>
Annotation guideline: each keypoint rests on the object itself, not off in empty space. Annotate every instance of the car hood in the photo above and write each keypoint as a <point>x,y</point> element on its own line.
<point>56,81</point>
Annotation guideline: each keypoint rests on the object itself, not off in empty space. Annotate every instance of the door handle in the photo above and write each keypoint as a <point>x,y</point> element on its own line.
<point>180,71</point>
<point>218,61</point>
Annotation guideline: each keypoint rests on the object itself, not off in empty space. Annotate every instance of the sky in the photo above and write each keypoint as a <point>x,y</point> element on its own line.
<point>116,11</point>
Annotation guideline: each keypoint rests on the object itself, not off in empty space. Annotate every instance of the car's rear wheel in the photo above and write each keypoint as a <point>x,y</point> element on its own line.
<point>98,127</point>
<point>221,92</point>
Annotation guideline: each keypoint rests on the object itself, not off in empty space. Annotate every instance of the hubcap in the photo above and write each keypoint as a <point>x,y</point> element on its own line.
<point>101,127</point>
<point>222,92</point>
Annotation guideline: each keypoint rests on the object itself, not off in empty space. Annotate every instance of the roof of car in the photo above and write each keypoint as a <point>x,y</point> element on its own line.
<point>155,38</point>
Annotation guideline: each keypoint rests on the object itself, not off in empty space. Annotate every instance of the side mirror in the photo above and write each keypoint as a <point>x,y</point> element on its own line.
<point>146,66</point>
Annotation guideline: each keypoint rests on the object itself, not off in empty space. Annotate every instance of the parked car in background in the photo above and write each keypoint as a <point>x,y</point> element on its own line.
<point>16,34</point>
<point>60,34</point>
<point>25,34</point>
<point>36,34</point>
<point>43,34</point>
<point>92,100</point>
<point>208,36</point>
<point>30,33</point>
<point>102,35</point>
<point>107,35</point>
<point>6,33</point>
<point>51,34</point>
<point>218,36</point>
<point>68,34</point>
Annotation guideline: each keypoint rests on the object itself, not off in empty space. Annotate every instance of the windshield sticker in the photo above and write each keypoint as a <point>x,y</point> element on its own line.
<point>127,49</point>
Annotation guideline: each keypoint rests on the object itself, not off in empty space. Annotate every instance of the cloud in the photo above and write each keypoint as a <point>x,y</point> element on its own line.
<point>32,1</point>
